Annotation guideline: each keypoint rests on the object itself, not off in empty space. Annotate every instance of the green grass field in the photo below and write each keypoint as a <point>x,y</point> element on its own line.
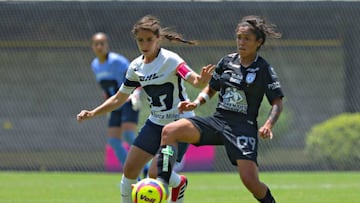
<point>288,187</point>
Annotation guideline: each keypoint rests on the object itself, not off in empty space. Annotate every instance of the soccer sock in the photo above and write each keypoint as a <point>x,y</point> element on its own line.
<point>268,198</point>
<point>165,163</point>
<point>175,180</point>
<point>129,136</point>
<point>119,149</point>
<point>125,189</point>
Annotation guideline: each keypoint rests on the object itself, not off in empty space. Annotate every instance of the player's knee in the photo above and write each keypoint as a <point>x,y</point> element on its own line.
<point>169,133</point>
<point>130,170</point>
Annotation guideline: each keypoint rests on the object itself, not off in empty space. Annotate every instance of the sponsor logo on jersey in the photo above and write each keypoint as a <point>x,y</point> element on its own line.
<point>274,85</point>
<point>234,100</point>
<point>234,65</point>
<point>160,115</point>
<point>235,78</point>
<point>103,74</point>
<point>253,70</point>
<point>148,77</point>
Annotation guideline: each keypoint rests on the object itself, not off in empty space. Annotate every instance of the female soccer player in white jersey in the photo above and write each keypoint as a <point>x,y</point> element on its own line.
<point>161,73</point>
<point>242,79</point>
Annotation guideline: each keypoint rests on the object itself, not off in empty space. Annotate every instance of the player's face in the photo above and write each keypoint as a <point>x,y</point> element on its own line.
<point>148,44</point>
<point>100,45</point>
<point>246,42</point>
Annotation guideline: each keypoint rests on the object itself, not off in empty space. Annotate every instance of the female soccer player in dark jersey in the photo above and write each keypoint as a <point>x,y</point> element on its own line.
<point>161,73</point>
<point>242,79</point>
<point>110,69</point>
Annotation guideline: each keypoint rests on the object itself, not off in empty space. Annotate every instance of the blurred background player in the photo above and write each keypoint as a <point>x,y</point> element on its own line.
<point>161,73</point>
<point>110,70</point>
<point>242,79</point>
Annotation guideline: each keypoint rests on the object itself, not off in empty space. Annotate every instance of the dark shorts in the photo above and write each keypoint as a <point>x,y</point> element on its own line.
<point>124,114</point>
<point>240,140</point>
<point>149,140</point>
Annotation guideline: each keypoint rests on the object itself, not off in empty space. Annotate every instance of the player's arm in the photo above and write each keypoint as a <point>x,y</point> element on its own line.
<point>198,81</point>
<point>204,96</point>
<point>109,105</point>
<point>276,109</point>
<point>274,94</point>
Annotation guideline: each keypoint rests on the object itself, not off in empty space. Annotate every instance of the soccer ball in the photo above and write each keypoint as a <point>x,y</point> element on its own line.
<point>149,190</point>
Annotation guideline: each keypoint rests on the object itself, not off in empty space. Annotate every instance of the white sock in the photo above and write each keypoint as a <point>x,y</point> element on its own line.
<point>125,189</point>
<point>174,179</point>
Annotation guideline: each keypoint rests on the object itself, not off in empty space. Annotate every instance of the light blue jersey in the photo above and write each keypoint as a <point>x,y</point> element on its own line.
<point>110,74</point>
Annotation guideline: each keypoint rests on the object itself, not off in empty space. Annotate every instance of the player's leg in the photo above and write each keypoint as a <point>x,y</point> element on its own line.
<point>173,133</point>
<point>175,178</point>
<point>115,141</point>
<point>248,171</point>
<point>182,148</point>
<point>241,145</point>
<point>115,136</point>
<point>177,182</point>
<point>168,155</point>
<point>143,149</point>
<point>129,131</point>
<point>136,160</point>
<point>188,131</point>
<point>129,121</point>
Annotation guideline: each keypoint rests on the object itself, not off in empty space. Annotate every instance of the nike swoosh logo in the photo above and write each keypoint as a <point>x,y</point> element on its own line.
<point>247,153</point>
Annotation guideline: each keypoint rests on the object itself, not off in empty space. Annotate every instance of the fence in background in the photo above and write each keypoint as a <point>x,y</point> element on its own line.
<point>45,76</point>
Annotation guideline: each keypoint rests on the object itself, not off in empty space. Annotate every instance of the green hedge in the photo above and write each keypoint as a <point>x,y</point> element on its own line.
<point>335,143</point>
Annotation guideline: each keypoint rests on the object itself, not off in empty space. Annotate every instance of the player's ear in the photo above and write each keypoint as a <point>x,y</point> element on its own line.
<point>259,42</point>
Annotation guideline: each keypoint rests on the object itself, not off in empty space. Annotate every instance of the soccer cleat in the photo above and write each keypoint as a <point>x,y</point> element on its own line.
<point>177,194</point>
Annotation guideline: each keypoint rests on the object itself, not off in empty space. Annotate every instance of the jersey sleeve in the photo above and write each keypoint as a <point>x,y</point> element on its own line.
<point>184,70</point>
<point>272,85</point>
<point>215,79</point>
<point>131,82</point>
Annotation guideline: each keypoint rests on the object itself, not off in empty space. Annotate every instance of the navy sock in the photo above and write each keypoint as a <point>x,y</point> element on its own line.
<point>268,198</point>
<point>166,161</point>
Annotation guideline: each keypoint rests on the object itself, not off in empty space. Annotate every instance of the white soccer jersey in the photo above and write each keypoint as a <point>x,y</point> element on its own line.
<point>162,80</point>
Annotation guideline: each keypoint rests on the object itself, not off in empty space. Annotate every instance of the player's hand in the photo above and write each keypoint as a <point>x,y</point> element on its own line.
<point>186,106</point>
<point>136,100</point>
<point>84,115</point>
<point>136,103</point>
<point>265,132</point>
<point>206,73</point>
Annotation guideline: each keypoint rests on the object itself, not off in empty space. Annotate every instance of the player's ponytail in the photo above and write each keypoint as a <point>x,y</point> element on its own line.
<point>152,23</point>
<point>174,36</point>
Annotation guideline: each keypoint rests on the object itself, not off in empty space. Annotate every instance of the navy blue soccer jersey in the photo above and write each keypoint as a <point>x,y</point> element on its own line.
<point>241,90</point>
